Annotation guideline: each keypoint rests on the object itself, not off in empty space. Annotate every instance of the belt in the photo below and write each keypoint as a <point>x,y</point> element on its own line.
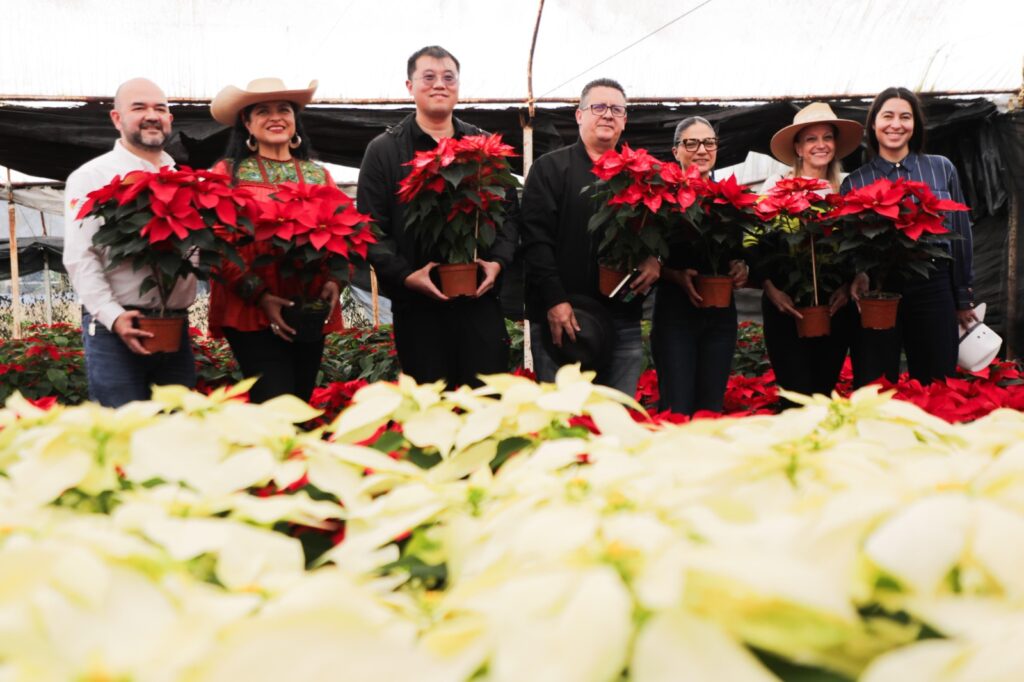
<point>167,312</point>
<point>152,312</point>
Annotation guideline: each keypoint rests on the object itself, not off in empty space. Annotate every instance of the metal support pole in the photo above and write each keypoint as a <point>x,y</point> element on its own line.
<point>15,282</point>
<point>531,107</point>
<point>47,287</point>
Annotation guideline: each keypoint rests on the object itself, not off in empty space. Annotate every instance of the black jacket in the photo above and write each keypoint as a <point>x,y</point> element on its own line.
<point>394,257</point>
<point>559,253</point>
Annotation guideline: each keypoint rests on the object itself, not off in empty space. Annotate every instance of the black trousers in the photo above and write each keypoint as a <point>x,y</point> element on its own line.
<point>692,350</point>
<point>282,366</point>
<point>806,365</point>
<point>926,330</point>
<point>454,340</point>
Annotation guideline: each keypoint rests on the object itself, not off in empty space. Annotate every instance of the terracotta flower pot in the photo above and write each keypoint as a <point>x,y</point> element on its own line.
<point>715,291</point>
<point>816,322</point>
<point>166,333</point>
<point>458,280</point>
<point>608,279</point>
<point>880,312</point>
<point>307,320</point>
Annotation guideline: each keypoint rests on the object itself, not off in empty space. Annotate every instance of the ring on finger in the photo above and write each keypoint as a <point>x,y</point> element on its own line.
<point>275,328</point>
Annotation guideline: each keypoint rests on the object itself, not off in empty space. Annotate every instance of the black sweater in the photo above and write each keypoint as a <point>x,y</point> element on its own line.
<point>394,256</point>
<point>559,254</point>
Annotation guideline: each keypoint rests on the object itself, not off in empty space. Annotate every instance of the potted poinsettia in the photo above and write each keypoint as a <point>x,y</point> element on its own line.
<point>800,248</point>
<point>728,216</point>
<point>171,223</point>
<point>892,230</point>
<point>456,196</point>
<point>316,231</point>
<point>641,202</point>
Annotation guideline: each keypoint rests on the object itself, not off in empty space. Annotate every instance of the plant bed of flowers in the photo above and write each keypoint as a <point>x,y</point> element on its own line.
<point>48,364</point>
<point>513,532</point>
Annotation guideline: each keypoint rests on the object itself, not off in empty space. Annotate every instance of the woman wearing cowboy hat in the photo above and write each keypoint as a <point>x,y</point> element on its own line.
<point>268,146</point>
<point>812,146</point>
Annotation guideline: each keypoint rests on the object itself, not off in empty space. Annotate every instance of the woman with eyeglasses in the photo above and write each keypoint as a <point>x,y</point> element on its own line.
<point>931,309</point>
<point>812,146</point>
<point>693,346</point>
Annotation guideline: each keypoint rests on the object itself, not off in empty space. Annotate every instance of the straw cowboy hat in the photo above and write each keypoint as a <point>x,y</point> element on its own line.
<point>231,100</point>
<point>848,133</point>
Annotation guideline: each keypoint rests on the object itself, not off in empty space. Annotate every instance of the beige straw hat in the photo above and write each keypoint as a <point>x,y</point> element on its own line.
<point>848,133</point>
<point>225,106</point>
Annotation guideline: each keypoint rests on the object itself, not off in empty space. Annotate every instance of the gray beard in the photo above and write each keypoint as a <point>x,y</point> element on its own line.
<point>137,140</point>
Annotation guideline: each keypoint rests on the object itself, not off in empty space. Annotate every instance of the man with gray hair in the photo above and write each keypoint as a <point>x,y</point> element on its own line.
<point>118,368</point>
<point>561,255</point>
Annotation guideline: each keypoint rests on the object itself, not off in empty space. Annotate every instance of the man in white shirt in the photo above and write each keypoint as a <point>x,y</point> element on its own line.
<point>118,368</point>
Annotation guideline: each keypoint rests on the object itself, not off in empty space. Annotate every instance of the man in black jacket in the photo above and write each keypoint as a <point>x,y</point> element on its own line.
<point>561,255</point>
<point>436,337</point>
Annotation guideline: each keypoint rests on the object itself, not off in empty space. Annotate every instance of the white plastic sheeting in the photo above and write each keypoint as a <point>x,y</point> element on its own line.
<point>358,48</point>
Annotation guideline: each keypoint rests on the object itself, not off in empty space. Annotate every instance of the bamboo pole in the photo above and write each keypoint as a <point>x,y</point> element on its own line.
<point>15,282</point>
<point>531,110</point>
<point>814,272</point>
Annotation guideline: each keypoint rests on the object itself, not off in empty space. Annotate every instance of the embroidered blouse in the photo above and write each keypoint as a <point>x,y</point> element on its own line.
<point>234,301</point>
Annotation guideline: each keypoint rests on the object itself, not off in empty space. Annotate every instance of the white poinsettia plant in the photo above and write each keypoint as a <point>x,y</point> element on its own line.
<point>512,532</point>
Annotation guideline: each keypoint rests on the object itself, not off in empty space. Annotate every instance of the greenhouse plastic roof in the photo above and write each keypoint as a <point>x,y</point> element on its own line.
<point>357,49</point>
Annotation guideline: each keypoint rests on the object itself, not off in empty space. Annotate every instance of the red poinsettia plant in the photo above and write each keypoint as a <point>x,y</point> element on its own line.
<point>315,230</point>
<point>171,223</point>
<point>728,216</point>
<point>456,196</point>
<point>794,241</point>
<point>641,202</point>
<point>893,229</point>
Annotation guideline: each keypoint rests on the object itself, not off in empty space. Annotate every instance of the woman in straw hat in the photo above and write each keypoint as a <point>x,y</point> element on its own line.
<point>812,146</point>
<point>931,309</point>
<point>693,346</point>
<point>267,147</point>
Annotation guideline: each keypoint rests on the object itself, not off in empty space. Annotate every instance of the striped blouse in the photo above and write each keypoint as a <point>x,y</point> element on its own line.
<point>940,174</point>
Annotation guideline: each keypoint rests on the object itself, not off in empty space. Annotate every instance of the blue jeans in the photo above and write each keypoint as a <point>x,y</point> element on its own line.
<point>693,351</point>
<point>117,376</point>
<point>622,371</point>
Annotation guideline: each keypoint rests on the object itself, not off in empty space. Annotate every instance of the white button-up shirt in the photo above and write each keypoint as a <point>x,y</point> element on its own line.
<point>106,293</point>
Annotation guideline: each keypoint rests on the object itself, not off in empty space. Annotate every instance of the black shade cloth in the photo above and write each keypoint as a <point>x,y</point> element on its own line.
<point>32,255</point>
<point>986,147</point>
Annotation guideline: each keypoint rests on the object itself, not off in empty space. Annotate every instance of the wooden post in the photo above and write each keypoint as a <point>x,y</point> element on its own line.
<point>531,110</point>
<point>375,298</point>
<point>15,282</point>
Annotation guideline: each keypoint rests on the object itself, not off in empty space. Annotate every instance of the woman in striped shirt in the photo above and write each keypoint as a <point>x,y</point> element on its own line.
<point>930,309</point>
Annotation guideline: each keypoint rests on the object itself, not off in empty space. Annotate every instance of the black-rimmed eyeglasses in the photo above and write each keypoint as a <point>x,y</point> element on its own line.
<point>618,110</point>
<point>690,145</point>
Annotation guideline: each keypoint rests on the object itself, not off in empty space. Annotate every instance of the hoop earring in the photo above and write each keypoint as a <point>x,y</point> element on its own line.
<point>250,142</point>
<point>295,141</point>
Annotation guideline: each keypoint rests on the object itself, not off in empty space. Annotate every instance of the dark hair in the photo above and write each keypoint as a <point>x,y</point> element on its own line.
<point>916,139</point>
<point>601,83</point>
<point>686,123</point>
<point>435,51</point>
<point>237,152</point>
